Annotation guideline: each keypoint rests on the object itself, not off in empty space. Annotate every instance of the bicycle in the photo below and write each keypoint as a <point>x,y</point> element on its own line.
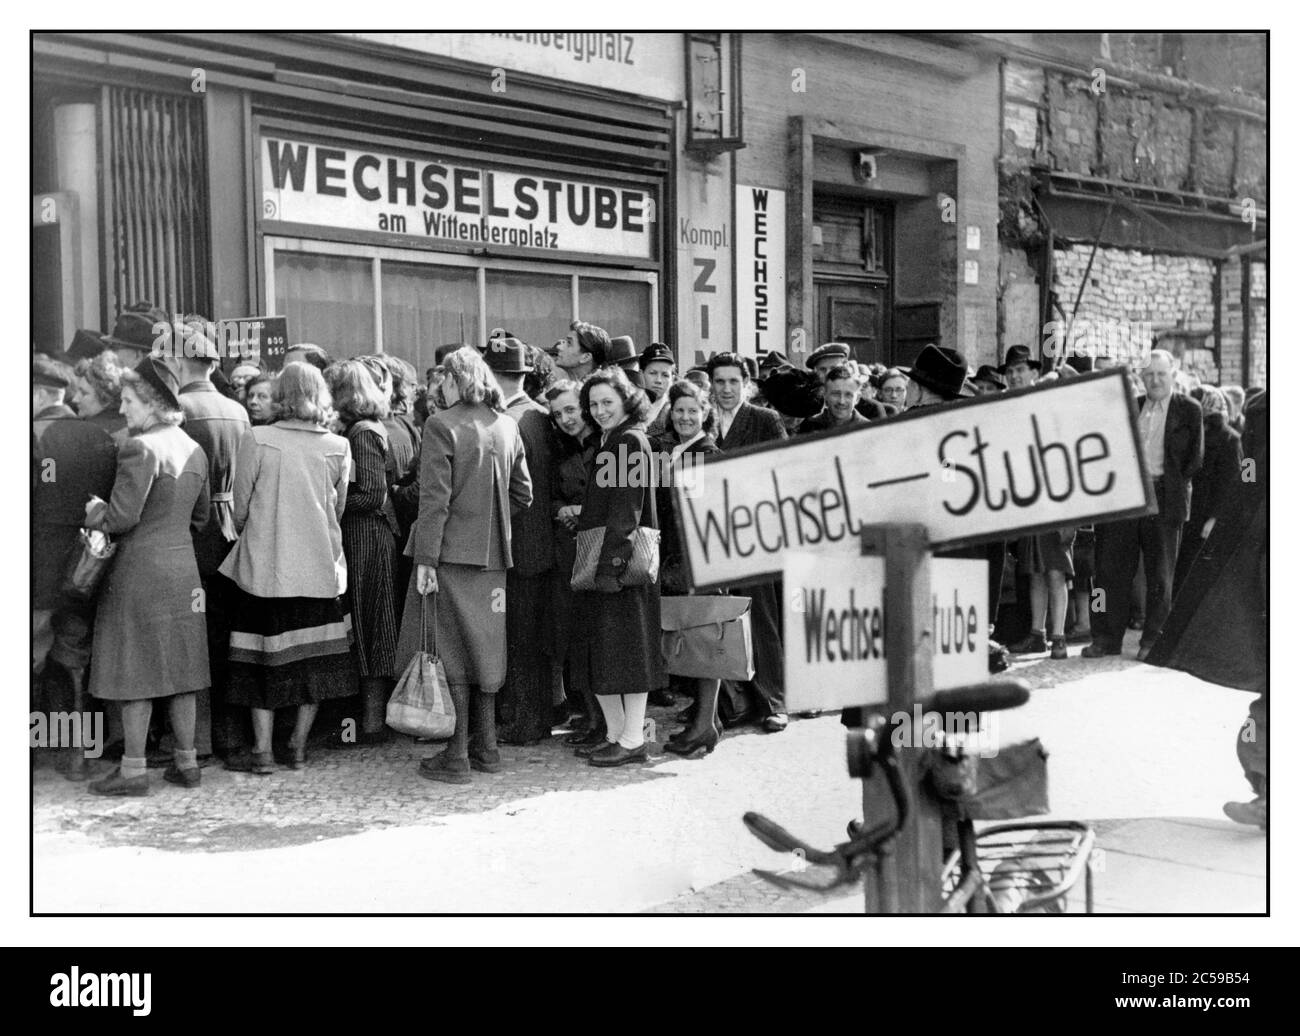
<point>1015,868</point>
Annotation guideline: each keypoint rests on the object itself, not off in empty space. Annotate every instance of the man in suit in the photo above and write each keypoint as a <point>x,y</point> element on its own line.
<point>1172,440</point>
<point>72,460</point>
<point>217,424</point>
<point>524,706</point>
<point>742,424</point>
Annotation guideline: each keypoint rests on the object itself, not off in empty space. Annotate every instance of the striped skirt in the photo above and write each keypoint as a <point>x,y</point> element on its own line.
<point>287,651</point>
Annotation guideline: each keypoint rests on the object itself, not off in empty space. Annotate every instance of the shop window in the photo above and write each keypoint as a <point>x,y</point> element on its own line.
<point>427,306</point>
<point>620,307</point>
<point>535,307</point>
<point>328,300</point>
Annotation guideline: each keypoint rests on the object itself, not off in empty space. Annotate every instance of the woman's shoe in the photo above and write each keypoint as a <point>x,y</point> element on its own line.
<point>689,746</point>
<point>116,784</point>
<point>190,778</point>
<point>263,763</point>
<point>1033,644</point>
<point>1058,648</point>
<point>594,737</point>
<point>297,757</point>
<point>617,755</point>
<point>442,768</point>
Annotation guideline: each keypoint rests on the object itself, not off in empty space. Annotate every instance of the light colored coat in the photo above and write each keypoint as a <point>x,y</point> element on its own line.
<point>291,485</point>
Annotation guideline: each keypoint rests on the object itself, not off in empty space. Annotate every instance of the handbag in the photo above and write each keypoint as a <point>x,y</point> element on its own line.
<point>707,637</point>
<point>421,703</point>
<point>642,567</point>
<point>87,565</point>
<point>1011,784</point>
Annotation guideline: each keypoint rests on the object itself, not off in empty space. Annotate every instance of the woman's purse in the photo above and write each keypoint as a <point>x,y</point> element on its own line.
<point>642,567</point>
<point>87,565</point>
<point>421,703</point>
<point>707,637</point>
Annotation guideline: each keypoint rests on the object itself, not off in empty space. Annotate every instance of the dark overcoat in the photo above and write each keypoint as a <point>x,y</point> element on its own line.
<point>72,460</point>
<point>618,633</point>
<point>218,425</point>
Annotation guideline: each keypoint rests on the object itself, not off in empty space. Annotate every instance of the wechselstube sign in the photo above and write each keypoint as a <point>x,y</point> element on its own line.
<point>991,468</point>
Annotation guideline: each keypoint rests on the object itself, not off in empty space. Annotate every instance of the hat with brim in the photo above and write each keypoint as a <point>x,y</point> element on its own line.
<point>837,350</point>
<point>772,361</point>
<point>793,392</point>
<point>622,351</point>
<point>162,379</point>
<point>50,372</point>
<point>942,371</point>
<point>135,328</point>
<point>1019,356</point>
<point>507,356</point>
<point>988,375</point>
<point>86,345</point>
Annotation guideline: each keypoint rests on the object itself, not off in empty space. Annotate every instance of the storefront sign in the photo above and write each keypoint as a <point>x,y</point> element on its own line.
<point>760,270</point>
<point>648,63</point>
<point>834,632</point>
<point>993,468</point>
<point>419,196</point>
<point>703,238</point>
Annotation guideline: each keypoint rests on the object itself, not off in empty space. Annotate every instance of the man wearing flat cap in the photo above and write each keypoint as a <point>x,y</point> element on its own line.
<point>217,423</point>
<point>524,706</point>
<point>72,460</point>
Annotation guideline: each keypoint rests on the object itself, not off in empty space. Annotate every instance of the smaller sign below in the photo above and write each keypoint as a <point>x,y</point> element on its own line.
<point>263,340</point>
<point>834,633</point>
<point>972,271</point>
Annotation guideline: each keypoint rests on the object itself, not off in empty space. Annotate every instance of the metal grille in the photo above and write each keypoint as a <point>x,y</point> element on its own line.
<point>159,211</point>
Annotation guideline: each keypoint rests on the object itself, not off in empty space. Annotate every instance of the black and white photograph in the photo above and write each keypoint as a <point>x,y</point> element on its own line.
<point>751,472</point>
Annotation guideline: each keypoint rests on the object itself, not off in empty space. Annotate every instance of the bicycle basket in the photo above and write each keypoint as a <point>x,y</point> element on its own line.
<point>1011,784</point>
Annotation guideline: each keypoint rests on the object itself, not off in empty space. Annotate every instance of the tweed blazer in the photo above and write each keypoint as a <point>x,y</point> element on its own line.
<point>752,424</point>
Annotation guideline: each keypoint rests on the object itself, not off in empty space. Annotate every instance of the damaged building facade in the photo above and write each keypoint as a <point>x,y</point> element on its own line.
<point>1134,197</point>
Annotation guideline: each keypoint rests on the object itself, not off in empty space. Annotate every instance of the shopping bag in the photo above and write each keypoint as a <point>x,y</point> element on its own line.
<point>87,565</point>
<point>642,567</point>
<point>421,703</point>
<point>1011,784</point>
<point>707,637</point>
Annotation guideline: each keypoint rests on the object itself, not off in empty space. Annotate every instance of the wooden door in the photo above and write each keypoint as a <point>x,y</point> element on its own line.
<point>853,312</point>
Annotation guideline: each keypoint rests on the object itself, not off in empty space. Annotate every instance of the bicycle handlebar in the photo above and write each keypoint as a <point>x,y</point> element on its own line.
<point>980,697</point>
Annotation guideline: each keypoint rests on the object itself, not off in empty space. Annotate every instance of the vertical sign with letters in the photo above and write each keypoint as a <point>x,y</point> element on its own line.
<point>760,270</point>
<point>703,237</point>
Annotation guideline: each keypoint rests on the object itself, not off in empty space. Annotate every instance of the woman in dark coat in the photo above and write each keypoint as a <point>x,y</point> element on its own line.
<point>150,642</point>
<point>618,625</point>
<point>573,445</point>
<point>1214,485</point>
<point>473,475</point>
<point>369,545</point>
<point>688,440</point>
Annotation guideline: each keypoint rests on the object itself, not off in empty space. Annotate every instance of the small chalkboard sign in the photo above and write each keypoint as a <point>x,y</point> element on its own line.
<point>262,340</point>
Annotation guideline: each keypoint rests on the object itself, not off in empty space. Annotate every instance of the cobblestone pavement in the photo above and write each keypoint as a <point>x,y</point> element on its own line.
<point>360,831</point>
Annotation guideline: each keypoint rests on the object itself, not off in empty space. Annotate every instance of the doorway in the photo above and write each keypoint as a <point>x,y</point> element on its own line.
<point>853,275</point>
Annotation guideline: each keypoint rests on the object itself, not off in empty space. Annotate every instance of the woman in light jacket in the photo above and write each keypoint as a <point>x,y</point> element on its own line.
<point>289,643</point>
<point>149,642</point>
<point>473,476</point>
<point>618,625</point>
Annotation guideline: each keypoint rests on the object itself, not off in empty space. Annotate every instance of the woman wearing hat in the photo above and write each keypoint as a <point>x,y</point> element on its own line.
<point>150,641</point>
<point>289,638</point>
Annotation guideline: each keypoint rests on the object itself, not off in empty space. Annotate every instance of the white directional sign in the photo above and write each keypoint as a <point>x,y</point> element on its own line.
<point>834,634</point>
<point>992,468</point>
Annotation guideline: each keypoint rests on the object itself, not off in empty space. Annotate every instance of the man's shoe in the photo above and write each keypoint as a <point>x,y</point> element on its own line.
<point>117,785</point>
<point>1253,813</point>
<point>449,771</point>
<point>776,723</point>
<point>1034,644</point>
<point>585,751</point>
<point>1098,650</point>
<point>617,755</point>
<point>486,763</point>
<point>1059,650</point>
<point>191,778</point>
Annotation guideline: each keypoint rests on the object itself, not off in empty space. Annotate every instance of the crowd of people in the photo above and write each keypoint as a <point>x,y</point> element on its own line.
<point>288,540</point>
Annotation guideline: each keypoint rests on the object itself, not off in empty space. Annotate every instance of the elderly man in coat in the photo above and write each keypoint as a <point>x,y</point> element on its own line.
<point>72,460</point>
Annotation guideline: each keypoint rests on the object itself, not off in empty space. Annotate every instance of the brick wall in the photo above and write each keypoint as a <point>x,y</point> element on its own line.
<point>1133,294</point>
<point>1258,324</point>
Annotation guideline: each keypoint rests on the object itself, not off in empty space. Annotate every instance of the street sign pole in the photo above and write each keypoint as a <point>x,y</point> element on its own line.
<point>908,875</point>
